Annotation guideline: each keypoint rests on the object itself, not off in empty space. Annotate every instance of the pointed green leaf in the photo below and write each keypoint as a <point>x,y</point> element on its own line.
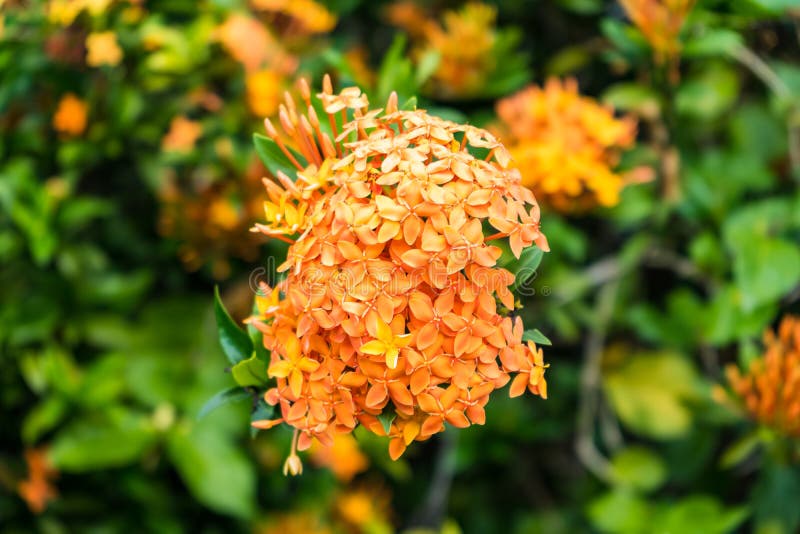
<point>235,342</point>
<point>273,157</point>
<point>386,418</point>
<point>250,372</point>
<point>536,336</point>
<point>221,398</point>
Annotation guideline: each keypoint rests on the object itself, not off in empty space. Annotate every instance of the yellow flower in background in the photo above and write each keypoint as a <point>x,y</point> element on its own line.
<point>182,135</point>
<point>660,21</point>
<point>770,388</point>
<point>64,12</point>
<point>343,458</point>
<point>365,508</point>
<point>464,41</point>
<point>566,145</point>
<point>264,92</point>
<point>70,116</point>
<point>312,16</point>
<point>102,49</point>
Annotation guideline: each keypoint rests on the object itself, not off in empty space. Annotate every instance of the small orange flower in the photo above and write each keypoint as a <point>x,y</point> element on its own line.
<point>37,489</point>
<point>182,135</point>
<point>102,49</point>
<point>344,457</point>
<point>264,92</point>
<point>565,144</point>
<point>70,116</point>
<point>660,21</point>
<point>770,389</point>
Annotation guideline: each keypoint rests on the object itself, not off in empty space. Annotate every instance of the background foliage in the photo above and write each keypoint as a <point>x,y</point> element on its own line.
<point>128,180</point>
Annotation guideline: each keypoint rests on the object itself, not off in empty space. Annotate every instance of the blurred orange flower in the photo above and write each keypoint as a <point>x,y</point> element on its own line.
<point>565,144</point>
<point>344,457</point>
<point>210,220</point>
<point>660,21</point>
<point>365,508</point>
<point>464,41</point>
<point>770,389</point>
<point>102,49</point>
<point>37,490</point>
<point>393,313</point>
<point>296,522</point>
<point>264,92</point>
<point>312,16</point>
<point>182,135</point>
<point>70,116</point>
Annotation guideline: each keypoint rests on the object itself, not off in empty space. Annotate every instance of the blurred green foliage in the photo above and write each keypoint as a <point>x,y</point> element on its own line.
<point>109,346</point>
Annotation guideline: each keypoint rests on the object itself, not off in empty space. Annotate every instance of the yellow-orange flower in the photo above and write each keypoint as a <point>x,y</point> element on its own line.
<point>296,522</point>
<point>250,43</point>
<point>37,489</point>
<point>390,302</point>
<point>264,92</point>
<point>565,144</point>
<point>311,15</point>
<point>660,21</point>
<point>102,49</point>
<point>344,457</point>
<point>70,116</point>
<point>365,508</point>
<point>770,389</point>
<point>182,135</point>
<point>464,40</point>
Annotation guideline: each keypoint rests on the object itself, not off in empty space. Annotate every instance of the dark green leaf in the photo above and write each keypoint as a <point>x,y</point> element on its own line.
<point>235,342</point>
<point>223,397</point>
<point>272,157</point>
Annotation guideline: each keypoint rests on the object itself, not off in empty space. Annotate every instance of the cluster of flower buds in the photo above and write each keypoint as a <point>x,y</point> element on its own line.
<point>770,389</point>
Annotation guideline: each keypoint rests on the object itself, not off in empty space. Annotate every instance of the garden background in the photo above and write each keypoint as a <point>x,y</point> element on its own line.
<point>129,181</point>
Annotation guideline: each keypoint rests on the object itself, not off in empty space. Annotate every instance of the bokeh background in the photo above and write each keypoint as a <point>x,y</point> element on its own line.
<point>662,138</point>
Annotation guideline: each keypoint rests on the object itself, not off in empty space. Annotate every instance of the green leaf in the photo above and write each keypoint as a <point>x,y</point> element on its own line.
<point>273,157</point>
<point>713,42</point>
<point>426,66</point>
<point>43,418</point>
<point>216,470</point>
<point>700,514</point>
<point>386,417</point>
<point>638,468</point>
<point>740,450</point>
<point>649,390</point>
<point>709,93</point>
<point>410,104</point>
<point>250,372</point>
<point>222,398</point>
<point>765,270</point>
<point>636,97</point>
<point>536,336</point>
<point>525,268</point>
<point>85,446</point>
<point>620,510</point>
<point>235,342</point>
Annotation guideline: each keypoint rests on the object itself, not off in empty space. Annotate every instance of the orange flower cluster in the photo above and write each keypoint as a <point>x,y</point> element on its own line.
<point>210,219</point>
<point>37,490</point>
<point>770,389</point>
<point>465,41</point>
<point>392,305</point>
<point>565,144</point>
<point>660,21</point>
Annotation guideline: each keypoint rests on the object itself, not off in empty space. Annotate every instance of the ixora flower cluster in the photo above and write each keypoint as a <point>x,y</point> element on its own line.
<point>565,144</point>
<point>392,314</point>
<point>770,389</point>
